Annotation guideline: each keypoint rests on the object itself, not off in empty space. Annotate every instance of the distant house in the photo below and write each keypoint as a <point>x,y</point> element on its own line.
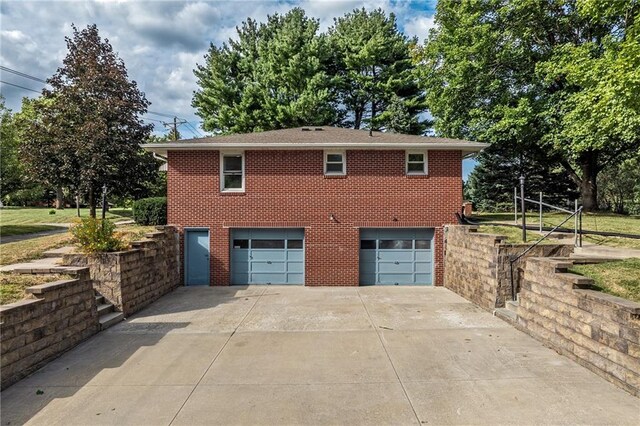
<point>314,206</point>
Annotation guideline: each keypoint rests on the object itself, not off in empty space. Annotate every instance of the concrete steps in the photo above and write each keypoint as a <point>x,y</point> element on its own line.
<point>107,313</point>
<point>509,313</point>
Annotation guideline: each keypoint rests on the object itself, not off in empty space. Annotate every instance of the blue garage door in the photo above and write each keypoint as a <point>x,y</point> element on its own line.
<point>267,256</point>
<point>396,256</point>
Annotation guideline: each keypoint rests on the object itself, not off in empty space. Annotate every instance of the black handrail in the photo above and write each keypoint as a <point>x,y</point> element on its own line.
<point>513,259</point>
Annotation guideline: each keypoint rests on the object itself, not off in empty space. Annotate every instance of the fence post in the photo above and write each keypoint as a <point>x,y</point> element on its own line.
<point>575,224</point>
<point>515,205</point>
<point>524,214</point>
<point>540,211</point>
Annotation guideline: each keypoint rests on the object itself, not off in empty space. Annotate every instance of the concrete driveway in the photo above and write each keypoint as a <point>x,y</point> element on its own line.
<point>294,355</point>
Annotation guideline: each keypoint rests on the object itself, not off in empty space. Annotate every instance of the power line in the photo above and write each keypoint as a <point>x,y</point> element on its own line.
<point>194,130</point>
<point>152,119</point>
<point>21,87</point>
<point>21,74</point>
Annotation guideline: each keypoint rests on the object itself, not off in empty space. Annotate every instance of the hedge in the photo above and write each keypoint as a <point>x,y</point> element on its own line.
<point>150,211</point>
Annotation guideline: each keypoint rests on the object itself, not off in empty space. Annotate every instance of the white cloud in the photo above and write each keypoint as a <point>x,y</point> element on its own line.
<point>419,26</point>
<point>160,41</point>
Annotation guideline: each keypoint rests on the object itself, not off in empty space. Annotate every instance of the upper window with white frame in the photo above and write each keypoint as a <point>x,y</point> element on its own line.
<point>232,172</point>
<point>335,163</point>
<point>416,163</point>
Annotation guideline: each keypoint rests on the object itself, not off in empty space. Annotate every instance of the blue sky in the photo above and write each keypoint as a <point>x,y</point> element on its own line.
<point>160,41</point>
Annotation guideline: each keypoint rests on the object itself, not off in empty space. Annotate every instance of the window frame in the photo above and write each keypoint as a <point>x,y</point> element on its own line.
<point>342,153</point>
<point>222,172</point>
<point>425,163</point>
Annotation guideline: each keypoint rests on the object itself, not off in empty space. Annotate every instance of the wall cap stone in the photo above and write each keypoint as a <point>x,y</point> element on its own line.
<point>19,304</point>
<point>47,287</point>
<point>611,300</point>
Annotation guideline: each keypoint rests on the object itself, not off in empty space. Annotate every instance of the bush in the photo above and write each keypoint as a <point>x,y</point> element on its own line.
<point>150,211</point>
<point>96,235</point>
<point>52,212</point>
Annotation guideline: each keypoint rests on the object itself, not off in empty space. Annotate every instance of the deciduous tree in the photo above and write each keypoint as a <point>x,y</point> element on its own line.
<point>88,128</point>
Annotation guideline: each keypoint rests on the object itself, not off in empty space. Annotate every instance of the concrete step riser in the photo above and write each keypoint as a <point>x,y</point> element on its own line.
<point>110,319</point>
<point>506,315</point>
<point>105,308</point>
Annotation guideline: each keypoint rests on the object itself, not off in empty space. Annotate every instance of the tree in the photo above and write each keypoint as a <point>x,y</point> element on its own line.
<point>558,77</point>
<point>11,170</point>
<point>88,130</point>
<point>376,78</point>
<point>274,76</point>
<point>490,184</point>
<point>620,187</point>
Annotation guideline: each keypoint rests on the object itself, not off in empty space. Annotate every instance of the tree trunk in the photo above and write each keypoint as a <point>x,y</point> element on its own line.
<point>59,198</point>
<point>588,185</point>
<point>92,203</point>
<point>357,119</point>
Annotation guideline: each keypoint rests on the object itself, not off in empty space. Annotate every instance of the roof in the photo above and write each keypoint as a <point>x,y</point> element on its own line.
<point>325,137</point>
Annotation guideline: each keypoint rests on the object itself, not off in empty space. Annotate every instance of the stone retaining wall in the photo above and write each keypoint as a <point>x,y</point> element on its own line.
<point>132,279</point>
<point>477,265</point>
<point>599,331</point>
<point>34,331</point>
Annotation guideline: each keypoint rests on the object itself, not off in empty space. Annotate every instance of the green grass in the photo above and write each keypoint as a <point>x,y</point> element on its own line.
<point>619,278</point>
<point>12,286</point>
<point>7,230</point>
<point>514,235</point>
<point>608,222</point>
<point>39,215</point>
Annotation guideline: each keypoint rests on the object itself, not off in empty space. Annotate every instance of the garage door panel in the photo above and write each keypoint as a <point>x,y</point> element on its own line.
<point>393,255</point>
<point>395,278</point>
<point>295,267</point>
<point>268,266</point>
<point>240,255</point>
<point>271,255</point>
<point>423,278</point>
<point>423,267</point>
<point>295,278</point>
<point>396,268</point>
<point>239,278</point>
<point>295,255</point>
<point>367,256</point>
<point>268,278</point>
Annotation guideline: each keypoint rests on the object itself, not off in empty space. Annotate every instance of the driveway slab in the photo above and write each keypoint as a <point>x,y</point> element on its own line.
<point>294,355</point>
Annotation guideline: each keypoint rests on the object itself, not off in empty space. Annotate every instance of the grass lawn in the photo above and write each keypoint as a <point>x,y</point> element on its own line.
<point>620,278</point>
<point>23,251</point>
<point>6,230</point>
<point>35,215</point>
<point>590,221</point>
<point>12,286</point>
<point>514,235</point>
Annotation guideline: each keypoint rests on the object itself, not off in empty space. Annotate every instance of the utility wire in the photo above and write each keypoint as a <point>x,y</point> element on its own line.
<point>17,85</point>
<point>25,75</point>
<point>21,74</point>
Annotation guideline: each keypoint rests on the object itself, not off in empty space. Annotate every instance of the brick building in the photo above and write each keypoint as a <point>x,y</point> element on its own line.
<point>314,206</point>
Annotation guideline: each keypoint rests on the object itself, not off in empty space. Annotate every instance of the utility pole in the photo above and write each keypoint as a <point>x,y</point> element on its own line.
<point>174,125</point>
<point>104,201</point>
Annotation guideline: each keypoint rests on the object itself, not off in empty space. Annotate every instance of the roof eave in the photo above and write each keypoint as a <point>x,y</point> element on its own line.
<point>163,148</point>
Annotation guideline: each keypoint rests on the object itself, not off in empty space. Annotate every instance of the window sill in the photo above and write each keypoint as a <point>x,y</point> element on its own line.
<point>336,176</point>
<point>417,175</point>
<point>232,193</point>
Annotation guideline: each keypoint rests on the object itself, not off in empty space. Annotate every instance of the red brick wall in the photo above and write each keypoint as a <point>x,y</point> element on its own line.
<point>289,189</point>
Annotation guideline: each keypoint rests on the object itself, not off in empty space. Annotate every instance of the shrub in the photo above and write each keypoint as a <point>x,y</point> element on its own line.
<point>96,235</point>
<point>150,211</point>
<point>52,212</point>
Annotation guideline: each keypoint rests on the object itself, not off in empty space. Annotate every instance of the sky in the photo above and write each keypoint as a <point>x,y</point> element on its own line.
<point>160,42</point>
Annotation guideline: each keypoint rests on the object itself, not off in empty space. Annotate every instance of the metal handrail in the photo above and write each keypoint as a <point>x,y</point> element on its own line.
<point>513,259</point>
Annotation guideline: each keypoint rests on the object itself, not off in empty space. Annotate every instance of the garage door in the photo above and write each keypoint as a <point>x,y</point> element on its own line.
<point>267,256</point>
<point>396,256</point>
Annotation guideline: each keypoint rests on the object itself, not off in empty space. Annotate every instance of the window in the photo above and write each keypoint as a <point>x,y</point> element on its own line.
<point>395,244</point>
<point>294,244</point>
<point>240,244</point>
<point>335,163</point>
<point>232,172</point>
<point>416,163</point>
<point>367,244</point>
<point>423,244</point>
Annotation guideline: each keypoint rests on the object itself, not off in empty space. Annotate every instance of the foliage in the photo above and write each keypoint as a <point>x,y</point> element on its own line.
<point>273,76</point>
<point>150,211</point>
<point>30,196</point>
<point>87,130</point>
<point>559,77</point>
<point>284,73</point>
<point>375,74</point>
<point>620,187</point>
<point>25,250</point>
<point>38,215</point>
<point>96,235</point>
<point>6,230</point>
<point>497,172</point>
<point>11,170</point>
